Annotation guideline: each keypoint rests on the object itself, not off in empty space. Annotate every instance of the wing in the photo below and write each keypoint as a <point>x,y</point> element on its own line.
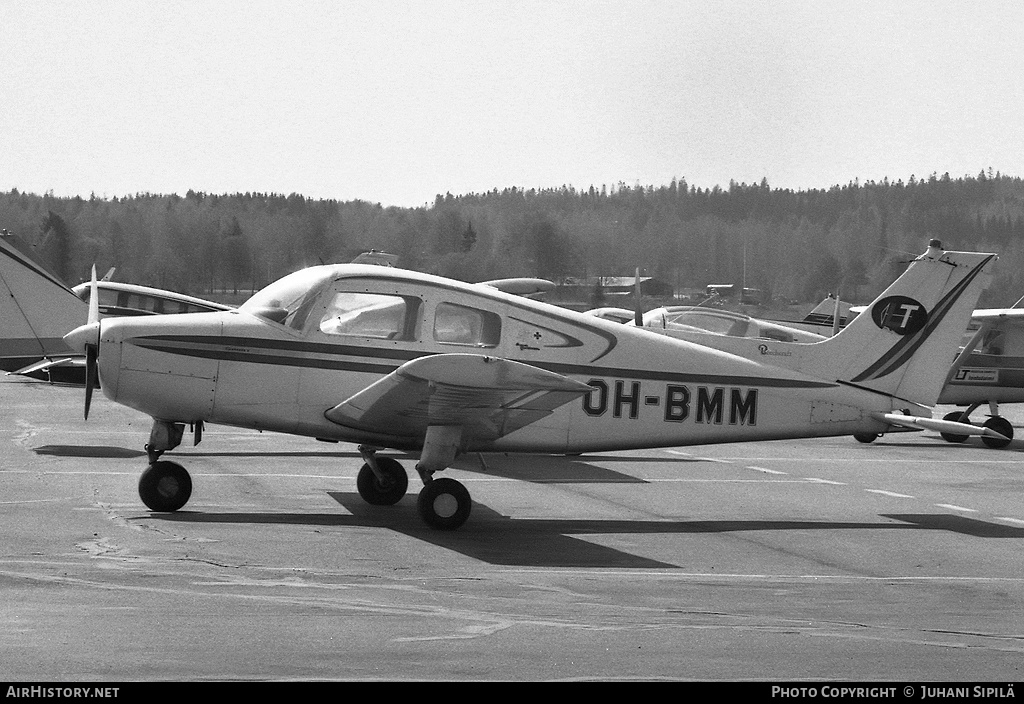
<point>487,397</point>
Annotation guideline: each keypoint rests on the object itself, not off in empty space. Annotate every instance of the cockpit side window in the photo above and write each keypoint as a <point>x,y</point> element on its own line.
<point>379,315</point>
<point>461,325</point>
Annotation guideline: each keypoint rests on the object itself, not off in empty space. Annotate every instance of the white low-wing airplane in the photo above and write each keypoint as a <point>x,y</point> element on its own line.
<point>388,358</point>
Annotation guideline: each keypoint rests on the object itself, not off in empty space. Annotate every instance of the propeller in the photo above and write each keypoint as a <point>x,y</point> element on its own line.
<point>86,338</point>
<point>92,350</point>
<point>90,376</point>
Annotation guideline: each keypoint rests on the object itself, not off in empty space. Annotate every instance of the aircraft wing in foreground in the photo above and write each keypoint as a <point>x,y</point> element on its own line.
<point>387,358</point>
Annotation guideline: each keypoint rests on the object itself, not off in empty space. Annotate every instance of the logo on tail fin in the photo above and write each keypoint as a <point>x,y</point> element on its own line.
<point>902,311</point>
<point>902,315</point>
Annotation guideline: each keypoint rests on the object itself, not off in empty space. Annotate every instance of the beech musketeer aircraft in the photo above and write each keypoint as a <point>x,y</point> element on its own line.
<point>387,358</point>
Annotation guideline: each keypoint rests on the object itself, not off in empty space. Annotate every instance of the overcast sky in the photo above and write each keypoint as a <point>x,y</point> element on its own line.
<point>396,101</point>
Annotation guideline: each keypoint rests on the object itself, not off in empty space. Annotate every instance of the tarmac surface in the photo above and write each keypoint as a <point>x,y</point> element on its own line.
<point>817,560</point>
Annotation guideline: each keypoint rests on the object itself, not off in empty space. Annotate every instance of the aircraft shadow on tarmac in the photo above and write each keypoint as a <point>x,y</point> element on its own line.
<point>556,469</point>
<point>540,469</point>
<point>98,451</point>
<point>526,542</point>
<point>969,444</point>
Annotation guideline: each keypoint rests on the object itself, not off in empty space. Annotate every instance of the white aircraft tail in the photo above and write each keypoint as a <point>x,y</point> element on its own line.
<point>905,340</point>
<point>37,308</point>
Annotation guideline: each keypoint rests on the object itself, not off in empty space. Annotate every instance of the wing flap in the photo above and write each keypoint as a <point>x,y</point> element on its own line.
<point>488,396</point>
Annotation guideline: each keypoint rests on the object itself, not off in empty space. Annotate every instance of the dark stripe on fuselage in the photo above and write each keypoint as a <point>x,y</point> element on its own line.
<point>247,350</point>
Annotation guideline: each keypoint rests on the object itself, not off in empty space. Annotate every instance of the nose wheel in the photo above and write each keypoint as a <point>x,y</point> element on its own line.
<point>165,486</point>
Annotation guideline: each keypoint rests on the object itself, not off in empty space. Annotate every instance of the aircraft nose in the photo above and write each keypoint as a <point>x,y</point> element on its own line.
<point>83,336</point>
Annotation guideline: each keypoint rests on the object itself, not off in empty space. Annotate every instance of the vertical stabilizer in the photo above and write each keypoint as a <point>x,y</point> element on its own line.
<point>36,308</point>
<point>904,341</point>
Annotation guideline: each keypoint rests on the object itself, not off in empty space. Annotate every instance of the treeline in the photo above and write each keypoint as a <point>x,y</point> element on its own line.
<point>790,244</point>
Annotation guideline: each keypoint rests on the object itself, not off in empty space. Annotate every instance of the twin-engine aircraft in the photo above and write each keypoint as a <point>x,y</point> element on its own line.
<point>388,358</point>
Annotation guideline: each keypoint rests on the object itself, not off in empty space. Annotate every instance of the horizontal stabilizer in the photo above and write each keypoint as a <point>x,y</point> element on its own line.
<point>940,426</point>
<point>488,396</point>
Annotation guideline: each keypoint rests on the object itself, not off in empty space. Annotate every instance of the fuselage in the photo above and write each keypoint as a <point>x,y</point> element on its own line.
<point>314,339</point>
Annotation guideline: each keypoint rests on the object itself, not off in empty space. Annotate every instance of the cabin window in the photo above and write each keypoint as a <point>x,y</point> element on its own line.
<point>383,316</point>
<point>460,325</point>
<point>107,298</point>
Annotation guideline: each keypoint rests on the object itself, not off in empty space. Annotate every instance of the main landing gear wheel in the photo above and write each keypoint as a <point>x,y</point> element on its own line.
<point>386,490</point>
<point>865,437</point>
<point>1000,425</point>
<point>958,417</point>
<point>165,486</point>
<point>444,503</point>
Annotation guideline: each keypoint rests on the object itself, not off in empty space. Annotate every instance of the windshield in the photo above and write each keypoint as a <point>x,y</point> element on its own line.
<point>289,300</point>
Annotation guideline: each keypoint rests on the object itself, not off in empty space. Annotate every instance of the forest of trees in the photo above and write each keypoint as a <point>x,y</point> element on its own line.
<point>791,244</point>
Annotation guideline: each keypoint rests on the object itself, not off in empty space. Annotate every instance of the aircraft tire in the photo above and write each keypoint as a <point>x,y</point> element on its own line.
<point>165,486</point>
<point>388,492</point>
<point>444,504</point>
<point>953,437</point>
<point>865,437</point>
<point>1000,425</point>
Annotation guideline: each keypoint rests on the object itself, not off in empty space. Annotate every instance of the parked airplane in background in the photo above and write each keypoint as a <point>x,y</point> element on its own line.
<point>388,358</point>
<point>679,321</point>
<point>38,309</point>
